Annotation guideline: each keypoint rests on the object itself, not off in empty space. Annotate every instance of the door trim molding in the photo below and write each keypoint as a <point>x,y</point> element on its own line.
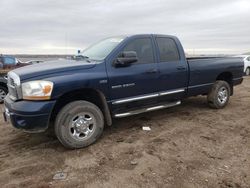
<point>135,99</point>
<point>153,95</point>
<point>171,92</point>
<point>200,85</point>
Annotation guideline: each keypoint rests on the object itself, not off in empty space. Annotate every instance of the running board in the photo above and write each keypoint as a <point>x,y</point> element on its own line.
<point>168,105</point>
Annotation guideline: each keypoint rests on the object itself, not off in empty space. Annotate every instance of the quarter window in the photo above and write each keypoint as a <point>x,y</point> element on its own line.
<point>168,49</point>
<point>143,48</point>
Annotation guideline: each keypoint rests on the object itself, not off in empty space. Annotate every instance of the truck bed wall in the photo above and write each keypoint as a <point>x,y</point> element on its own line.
<point>205,71</point>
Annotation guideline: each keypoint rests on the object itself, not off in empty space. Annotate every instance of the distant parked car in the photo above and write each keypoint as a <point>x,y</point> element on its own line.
<point>7,63</point>
<point>34,61</point>
<point>246,59</point>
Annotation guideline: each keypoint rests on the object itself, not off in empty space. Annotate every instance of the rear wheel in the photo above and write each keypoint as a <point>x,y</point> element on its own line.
<point>219,95</point>
<point>79,124</point>
<point>248,71</point>
<point>3,93</point>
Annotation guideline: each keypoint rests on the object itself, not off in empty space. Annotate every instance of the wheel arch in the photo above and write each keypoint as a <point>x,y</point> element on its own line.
<point>227,77</point>
<point>91,95</point>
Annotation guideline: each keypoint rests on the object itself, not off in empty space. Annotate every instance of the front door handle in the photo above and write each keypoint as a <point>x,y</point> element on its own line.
<point>150,71</point>
<point>181,68</point>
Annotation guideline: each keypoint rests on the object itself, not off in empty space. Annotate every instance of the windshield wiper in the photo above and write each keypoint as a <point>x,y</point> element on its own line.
<point>82,57</point>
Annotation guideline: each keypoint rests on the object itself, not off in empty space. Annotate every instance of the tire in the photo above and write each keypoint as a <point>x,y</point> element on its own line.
<point>79,124</point>
<point>3,93</point>
<point>247,71</point>
<point>219,95</point>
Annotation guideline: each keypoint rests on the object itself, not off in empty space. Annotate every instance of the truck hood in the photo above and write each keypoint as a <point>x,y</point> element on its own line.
<point>52,67</point>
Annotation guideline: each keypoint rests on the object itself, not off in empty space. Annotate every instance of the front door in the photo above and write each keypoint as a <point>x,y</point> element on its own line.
<point>135,85</point>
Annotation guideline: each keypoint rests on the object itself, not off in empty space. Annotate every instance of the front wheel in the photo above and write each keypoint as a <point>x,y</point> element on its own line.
<point>79,124</point>
<point>3,93</point>
<point>219,95</point>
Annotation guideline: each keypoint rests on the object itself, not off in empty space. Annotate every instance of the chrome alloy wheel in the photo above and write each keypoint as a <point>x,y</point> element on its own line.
<point>82,126</point>
<point>2,95</point>
<point>222,95</point>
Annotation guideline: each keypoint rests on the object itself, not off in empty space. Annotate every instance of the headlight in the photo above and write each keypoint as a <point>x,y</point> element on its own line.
<point>37,90</point>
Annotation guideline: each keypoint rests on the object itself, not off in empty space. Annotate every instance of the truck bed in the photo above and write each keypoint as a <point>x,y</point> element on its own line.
<point>204,71</point>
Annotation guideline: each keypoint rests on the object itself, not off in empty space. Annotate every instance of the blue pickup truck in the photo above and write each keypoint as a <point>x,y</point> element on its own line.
<point>114,78</point>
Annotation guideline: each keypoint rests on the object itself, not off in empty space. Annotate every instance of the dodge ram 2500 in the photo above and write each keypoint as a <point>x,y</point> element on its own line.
<point>114,78</point>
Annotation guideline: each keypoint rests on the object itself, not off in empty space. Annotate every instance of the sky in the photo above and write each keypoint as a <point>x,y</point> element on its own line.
<point>64,26</point>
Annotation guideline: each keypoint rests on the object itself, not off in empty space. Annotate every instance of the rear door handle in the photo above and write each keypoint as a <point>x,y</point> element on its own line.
<point>150,71</point>
<point>181,68</point>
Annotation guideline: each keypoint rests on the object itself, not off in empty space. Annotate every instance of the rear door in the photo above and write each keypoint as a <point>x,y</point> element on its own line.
<point>136,85</point>
<point>173,69</point>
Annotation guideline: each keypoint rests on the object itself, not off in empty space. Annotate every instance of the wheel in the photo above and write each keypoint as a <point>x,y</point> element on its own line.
<point>247,71</point>
<point>3,93</point>
<point>79,124</point>
<point>219,95</point>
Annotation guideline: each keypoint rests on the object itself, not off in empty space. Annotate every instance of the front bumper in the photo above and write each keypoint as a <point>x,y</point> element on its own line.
<point>31,116</point>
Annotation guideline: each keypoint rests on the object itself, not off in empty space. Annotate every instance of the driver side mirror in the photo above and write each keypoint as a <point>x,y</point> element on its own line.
<point>126,58</point>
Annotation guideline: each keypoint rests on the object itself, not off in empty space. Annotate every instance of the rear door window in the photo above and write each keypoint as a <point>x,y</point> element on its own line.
<point>167,49</point>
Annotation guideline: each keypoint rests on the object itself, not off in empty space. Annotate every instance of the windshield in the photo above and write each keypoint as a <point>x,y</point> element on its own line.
<point>101,50</point>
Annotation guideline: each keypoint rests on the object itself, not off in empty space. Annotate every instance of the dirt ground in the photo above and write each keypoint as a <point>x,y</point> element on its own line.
<point>188,146</point>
